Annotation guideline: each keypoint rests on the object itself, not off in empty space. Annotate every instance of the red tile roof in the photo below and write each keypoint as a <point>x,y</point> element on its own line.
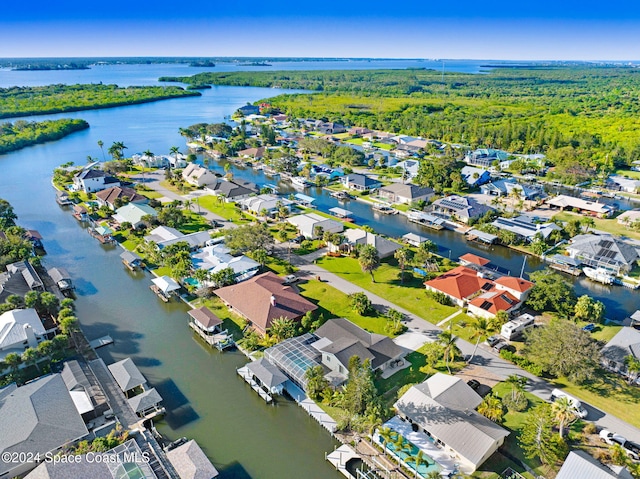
<point>264,298</point>
<point>460,282</point>
<point>516,284</point>
<point>474,259</point>
<point>495,301</point>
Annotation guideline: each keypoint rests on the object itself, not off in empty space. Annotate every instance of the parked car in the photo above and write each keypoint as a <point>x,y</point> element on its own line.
<point>502,345</point>
<point>290,278</point>
<point>589,327</point>
<point>577,405</point>
<point>493,340</point>
<point>298,239</point>
<point>473,384</point>
<point>216,224</point>
<point>631,448</point>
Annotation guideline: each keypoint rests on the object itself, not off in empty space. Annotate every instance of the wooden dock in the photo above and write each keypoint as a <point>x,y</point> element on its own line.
<point>565,268</point>
<point>159,293</point>
<point>244,373</point>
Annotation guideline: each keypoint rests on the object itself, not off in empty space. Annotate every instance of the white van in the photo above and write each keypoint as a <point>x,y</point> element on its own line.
<point>577,405</point>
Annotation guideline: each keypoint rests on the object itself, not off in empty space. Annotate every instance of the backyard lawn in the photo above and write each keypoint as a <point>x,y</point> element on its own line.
<point>410,296</point>
<point>335,304</point>
<point>610,225</point>
<point>232,322</point>
<point>227,211</point>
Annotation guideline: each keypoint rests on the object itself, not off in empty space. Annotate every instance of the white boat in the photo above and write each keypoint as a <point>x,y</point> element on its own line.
<point>384,209</point>
<point>300,181</point>
<point>600,275</point>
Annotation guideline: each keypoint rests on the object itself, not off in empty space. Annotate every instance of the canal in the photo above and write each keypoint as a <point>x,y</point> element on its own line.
<point>204,397</point>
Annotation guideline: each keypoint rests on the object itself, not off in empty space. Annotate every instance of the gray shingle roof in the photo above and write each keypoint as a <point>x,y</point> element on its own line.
<point>626,342</point>
<point>127,374</point>
<point>267,373</point>
<point>38,417</point>
<point>407,190</point>
<point>191,462</point>
<point>145,400</point>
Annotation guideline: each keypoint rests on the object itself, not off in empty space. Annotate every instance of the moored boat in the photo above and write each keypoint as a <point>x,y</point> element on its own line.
<point>600,275</point>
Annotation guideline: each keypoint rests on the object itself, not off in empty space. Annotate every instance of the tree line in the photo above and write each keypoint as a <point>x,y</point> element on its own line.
<point>20,134</point>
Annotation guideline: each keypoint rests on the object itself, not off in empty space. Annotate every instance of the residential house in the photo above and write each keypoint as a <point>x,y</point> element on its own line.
<point>340,339</point>
<point>264,298</point>
<point>525,228</point>
<point>475,176</point>
<point>233,190</point>
<point>624,344</point>
<point>357,236</point>
<point>603,251</point>
<point>164,236</point>
<point>19,279</point>
<point>511,187</point>
<point>580,465</point>
<point>20,329</point>
<point>155,161</point>
<point>331,128</point>
<point>215,258</point>
<point>176,161</point>
<point>620,183</point>
<point>36,419</point>
<point>252,153</point>
<point>629,217</point>
<point>267,202</point>
<point>90,180</point>
<point>199,176</point>
<point>443,407</point>
<point>485,157</point>
<point>356,181</point>
<point>409,167</point>
<point>116,196</point>
<point>133,213</point>
<point>405,193</point>
<point>414,239</point>
<point>309,224</point>
<point>563,202</point>
<point>465,286</point>
<point>460,208</point>
<point>294,356</point>
<point>249,110</point>
<point>358,131</point>
<point>327,171</point>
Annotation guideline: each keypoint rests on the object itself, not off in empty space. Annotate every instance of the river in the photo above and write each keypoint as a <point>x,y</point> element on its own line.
<point>204,397</point>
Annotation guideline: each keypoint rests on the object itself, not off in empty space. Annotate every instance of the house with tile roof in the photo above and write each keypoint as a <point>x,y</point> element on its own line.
<point>443,407</point>
<point>264,298</point>
<point>36,418</point>
<point>484,297</point>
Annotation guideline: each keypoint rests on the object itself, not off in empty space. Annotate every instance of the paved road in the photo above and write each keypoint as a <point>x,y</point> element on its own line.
<point>484,356</point>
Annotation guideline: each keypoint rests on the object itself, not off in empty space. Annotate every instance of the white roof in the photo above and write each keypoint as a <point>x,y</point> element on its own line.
<point>564,201</point>
<point>216,258</point>
<point>13,323</point>
<point>81,401</point>
<point>166,284</point>
<point>133,213</point>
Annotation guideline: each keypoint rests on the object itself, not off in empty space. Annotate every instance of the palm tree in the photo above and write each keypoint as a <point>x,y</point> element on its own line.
<point>587,222</point>
<point>403,255</point>
<point>369,260</point>
<point>101,145</point>
<point>517,383</point>
<point>385,437</point>
<point>175,151</point>
<point>448,342</point>
<point>260,255</point>
<point>418,460</point>
<point>13,360</point>
<point>482,327</point>
<point>491,408</point>
<point>30,357</point>
<point>633,367</point>
<point>565,413</point>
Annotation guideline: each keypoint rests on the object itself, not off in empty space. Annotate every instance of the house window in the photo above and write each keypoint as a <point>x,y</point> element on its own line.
<point>341,369</point>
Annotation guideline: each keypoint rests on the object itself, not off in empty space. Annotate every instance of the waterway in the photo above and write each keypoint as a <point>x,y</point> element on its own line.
<point>204,397</point>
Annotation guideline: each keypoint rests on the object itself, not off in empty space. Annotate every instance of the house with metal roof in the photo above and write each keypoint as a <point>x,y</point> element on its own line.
<point>564,202</point>
<point>133,213</point>
<point>20,329</point>
<point>308,224</point>
<point>525,227</point>
<point>444,408</point>
<point>409,167</point>
<point>461,208</point>
<point>164,236</point>
<point>580,465</point>
<point>603,251</point>
<point>620,183</point>
<point>266,202</point>
<point>217,257</point>
<point>626,343</point>
<point>36,418</point>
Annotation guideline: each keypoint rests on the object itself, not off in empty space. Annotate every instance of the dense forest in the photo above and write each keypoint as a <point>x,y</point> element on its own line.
<point>585,119</point>
<point>24,101</point>
<point>21,134</point>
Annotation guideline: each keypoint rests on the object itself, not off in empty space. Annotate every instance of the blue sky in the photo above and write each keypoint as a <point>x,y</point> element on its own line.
<point>544,29</point>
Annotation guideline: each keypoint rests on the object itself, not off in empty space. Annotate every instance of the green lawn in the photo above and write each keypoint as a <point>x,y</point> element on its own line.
<point>231,321</point>
<point>609,225</point>
<point>410,296</point>
<point>227,211</point>
<point>415,373</point>
<point>629,173</point>
<point>151,194</point>
<point>335,304</point>
<point>194,223</point>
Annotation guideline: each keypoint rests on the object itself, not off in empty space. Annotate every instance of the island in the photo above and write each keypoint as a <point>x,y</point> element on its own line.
<point>14,136</point>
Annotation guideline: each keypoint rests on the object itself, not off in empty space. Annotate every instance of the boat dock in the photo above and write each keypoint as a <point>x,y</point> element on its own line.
<point>220,341</point>
<point>425,219</point>
<point>341,213</point>
<point>245,374</point>
<point>164,297</point>
<point>103,341</point>
<point>341,195</point>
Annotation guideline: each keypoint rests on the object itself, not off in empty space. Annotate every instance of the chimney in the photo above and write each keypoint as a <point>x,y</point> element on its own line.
<point>272,300</point>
